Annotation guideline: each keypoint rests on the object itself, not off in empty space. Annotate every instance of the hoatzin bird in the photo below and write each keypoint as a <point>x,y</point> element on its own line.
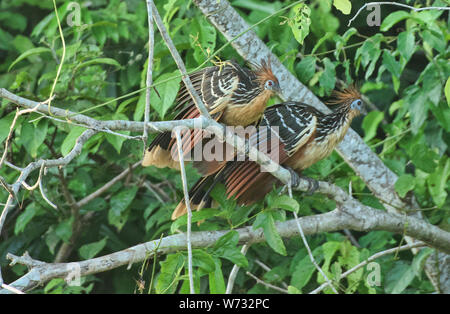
<point>233,95</point>
<point>303,136</point>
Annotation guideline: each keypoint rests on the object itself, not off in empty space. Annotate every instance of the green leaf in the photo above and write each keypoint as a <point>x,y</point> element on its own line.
<point>13,20</point>
<point>327,36</point>
<point>284,202</point>
<point>418,108</point>
<point>167,91</point>
<point>235,256</point>
<point>203,260</point>
<point>71,139</point>
<point>32,137</point>
<point>419,261</point>
<point>90,250</point>
<point>121,201</point>
<point>230,239</point>
<point>216,279</point>
<point>393,19</point>
<point>345,6</point>
<point>64,229</point>
<point>306,68</point>
<point>117,214</point>
<point>447,91</point>
<point>109,61</point>
<point>328,78</point>
<point>404,184</point>
<point>423,158</point>
<point>399,278</point>
<point>434,40</point>
<point>227,247</point>
<point>437,182</point>
<point>349,258</point>
<point>24,218</point>
<point>28,53</point>
<point>265,220</point>
<point>370,124</point>
<point>220,196</point>
<point>304,270</point>
<point>300,22</point>
<point>406,44</point>
<point>368,54</point>
<point>22,43</point>
<point>99,32</point>
<point>169,273</point>
<point>329,249</point>
<point>5,124</point>
<point>196,217</point>
<point>5,40</point>
<point>293,290</point>
<point>116,140</point>
<point>394,67</point>
<point>37,30</point>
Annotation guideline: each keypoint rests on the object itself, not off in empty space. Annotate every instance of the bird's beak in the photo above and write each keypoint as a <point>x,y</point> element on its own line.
<point>363,110</point>
<point>277,89</point>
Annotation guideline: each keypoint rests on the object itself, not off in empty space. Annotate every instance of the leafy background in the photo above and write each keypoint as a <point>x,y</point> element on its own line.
<point>401,67</point>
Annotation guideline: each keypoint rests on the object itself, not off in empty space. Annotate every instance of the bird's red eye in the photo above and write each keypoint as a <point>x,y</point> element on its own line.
<point>270,83</point>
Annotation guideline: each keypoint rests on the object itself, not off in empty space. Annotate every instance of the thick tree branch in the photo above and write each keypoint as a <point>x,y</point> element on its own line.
<point>351,215</point>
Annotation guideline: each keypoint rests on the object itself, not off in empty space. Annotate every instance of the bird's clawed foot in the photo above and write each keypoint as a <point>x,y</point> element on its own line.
<point>313,185</point>
<point>295,178</point>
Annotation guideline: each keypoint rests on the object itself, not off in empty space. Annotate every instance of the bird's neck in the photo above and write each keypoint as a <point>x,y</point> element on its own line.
<point>334,124</point>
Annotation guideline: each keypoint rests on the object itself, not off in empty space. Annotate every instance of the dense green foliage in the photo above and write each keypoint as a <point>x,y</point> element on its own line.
<point>402,67</point>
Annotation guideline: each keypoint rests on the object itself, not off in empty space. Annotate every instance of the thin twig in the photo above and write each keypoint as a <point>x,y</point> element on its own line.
<point>267,269</point>
<point>396,4</point>
<point>235,270</point>
<point>305,242</point>
<point>108,185</point>
<point>13,124</point>
<point>149,79</point>
<point>58,72</point>
<point>41,188</point>
<point>268,285</point>
<point>188,206</point>
<point>311,257</point>
<point>151,189</point>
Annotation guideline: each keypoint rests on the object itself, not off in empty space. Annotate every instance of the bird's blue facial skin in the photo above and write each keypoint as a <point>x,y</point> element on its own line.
<point>273,86</point>
<point>269,84</point>
<point>357,105</point>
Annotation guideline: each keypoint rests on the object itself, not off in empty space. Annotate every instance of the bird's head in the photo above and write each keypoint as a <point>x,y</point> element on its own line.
<point>266,78</point>
<point>350,98</point>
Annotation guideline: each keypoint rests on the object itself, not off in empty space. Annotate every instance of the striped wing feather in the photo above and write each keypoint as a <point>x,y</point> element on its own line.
<point>217,86</point>
<point>294,124</point>
<point>244,180</point>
